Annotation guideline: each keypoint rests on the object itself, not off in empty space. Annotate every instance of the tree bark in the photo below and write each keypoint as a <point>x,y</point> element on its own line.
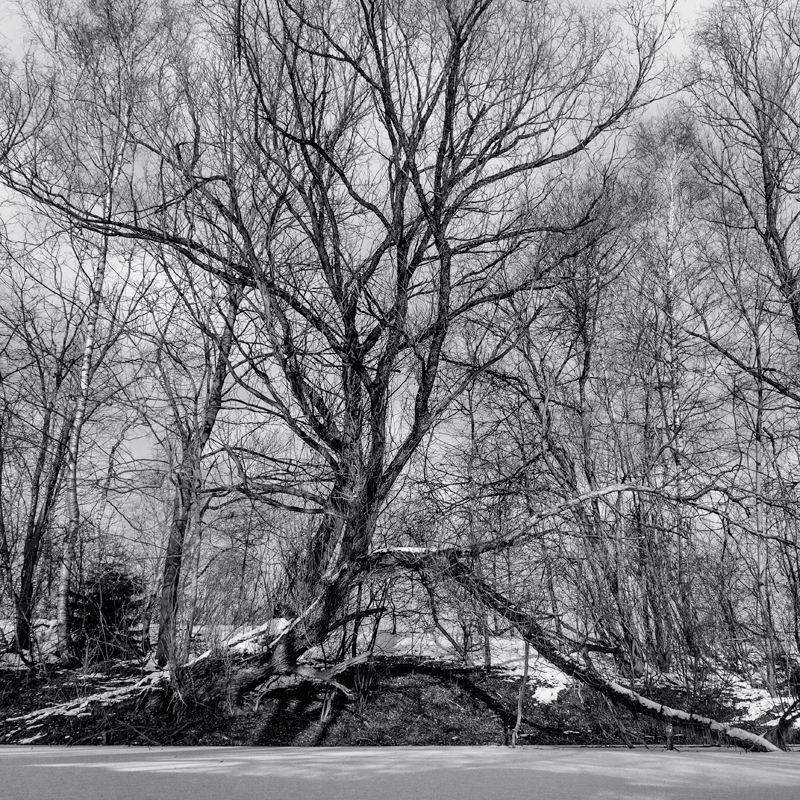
<point>523,687</point>
<point>38,522</point>
<point>168,608</point>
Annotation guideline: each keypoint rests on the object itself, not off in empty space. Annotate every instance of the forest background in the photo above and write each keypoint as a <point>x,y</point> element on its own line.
<point>374,315</point>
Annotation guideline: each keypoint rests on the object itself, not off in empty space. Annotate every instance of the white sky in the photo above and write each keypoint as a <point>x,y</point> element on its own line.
<point>11,29</point>
<point>12,37</point>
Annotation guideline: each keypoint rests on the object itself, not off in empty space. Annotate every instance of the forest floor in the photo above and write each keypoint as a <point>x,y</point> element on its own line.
<point>394,701</point>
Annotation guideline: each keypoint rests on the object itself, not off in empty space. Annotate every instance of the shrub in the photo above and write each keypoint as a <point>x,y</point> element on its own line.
<point>106,615</point>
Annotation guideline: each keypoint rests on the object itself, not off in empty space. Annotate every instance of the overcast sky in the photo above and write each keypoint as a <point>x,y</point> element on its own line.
<point>12,27</point>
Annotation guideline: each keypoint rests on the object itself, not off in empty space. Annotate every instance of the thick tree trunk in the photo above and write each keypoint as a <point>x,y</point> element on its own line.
<point>540,640</point>
<point>37,526</point>
<point>23,612</point>
<point>168,608</point>
<point>215,683</point>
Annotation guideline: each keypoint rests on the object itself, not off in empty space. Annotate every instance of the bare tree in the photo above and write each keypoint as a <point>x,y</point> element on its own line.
<point>746,97</point>
<point>194,425</point>
<point>377,173</point>
<point>39,357</point>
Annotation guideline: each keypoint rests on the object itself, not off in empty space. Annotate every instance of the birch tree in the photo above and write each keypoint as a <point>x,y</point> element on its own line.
<point>96,58</point>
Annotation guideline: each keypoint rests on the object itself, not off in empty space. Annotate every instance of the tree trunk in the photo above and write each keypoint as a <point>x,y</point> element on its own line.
<point>73,454</point>
<point>38,522</point>
<point>330,583</point>
<point>168,608</point>
<point>523,687</point>
<point>23,612</point>
<point>189,483</point>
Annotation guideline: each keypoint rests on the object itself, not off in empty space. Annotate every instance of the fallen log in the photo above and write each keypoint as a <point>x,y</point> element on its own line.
<point>542,642</point>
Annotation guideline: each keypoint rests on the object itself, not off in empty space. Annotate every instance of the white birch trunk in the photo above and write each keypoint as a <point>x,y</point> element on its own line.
<point>523,687</point>
<point>73,454</point>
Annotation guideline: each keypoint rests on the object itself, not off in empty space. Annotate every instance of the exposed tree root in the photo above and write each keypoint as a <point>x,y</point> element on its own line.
<point>207,680</point>
<point>82,705</point>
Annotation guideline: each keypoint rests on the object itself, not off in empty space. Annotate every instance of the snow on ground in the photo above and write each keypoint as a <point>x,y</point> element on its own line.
<point>45,637</point>
<point>12,661</point>
<point>451,773</point>
<point>753,702</point>
<point>545,680</point>
<point>81,706</point>
<point>239,640</point>
<point>414,643</point>
<point>252,639</point>
<point>507,654</point>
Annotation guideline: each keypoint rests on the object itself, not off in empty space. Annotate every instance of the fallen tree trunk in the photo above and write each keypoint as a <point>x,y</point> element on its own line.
<point>541,640</point>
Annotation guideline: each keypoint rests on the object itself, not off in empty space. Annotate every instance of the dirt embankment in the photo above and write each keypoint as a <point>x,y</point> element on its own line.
<point>392,701</point>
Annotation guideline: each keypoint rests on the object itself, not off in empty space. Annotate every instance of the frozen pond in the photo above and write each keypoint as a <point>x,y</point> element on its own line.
<point>424,773</point>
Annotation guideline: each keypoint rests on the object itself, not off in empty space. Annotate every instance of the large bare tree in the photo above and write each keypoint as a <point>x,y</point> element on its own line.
<point>377,173</point>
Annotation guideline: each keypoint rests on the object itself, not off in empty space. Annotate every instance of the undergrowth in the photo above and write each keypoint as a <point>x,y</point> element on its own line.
<point>393,702</point>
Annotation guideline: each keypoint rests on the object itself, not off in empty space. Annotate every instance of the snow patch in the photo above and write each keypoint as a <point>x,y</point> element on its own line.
<point>253,639</point>
<point>80,706</point>
<point>43,631</point>
<point>545,681</point>
<point>547,694</point>
<point>752,702</point>
<point>414,643</point>
<point>12,661</point>
<point>247,640</point>
<point>30,739</point>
